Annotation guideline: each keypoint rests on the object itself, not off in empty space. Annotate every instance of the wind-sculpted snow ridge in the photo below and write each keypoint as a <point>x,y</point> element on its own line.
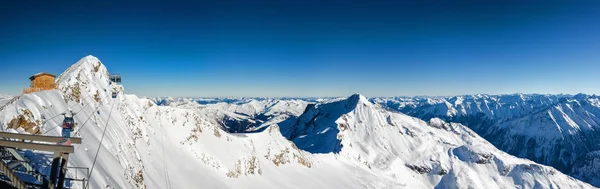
<point>349,143</point>
<point>554,130</point>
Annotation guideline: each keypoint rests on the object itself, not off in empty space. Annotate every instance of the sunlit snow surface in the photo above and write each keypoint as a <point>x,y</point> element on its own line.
<point>280,143</point>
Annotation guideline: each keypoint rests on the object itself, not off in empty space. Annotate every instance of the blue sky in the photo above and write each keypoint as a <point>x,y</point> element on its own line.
<point>310,48</point>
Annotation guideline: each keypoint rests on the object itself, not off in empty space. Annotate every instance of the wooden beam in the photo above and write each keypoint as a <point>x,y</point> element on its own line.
<point>38,137</point>
<point>37,146</point>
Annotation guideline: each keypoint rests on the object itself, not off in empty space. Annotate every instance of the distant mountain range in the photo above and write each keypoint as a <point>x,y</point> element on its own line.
<point>556,130</point>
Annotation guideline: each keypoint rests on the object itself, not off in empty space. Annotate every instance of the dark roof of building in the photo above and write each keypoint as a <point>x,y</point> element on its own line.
<point>41,74</point>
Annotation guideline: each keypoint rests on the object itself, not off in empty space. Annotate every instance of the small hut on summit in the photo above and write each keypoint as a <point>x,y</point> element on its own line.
<point>40,82</point>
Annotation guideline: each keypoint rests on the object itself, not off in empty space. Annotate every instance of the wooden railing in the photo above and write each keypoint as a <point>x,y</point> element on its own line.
<point>33,90</point>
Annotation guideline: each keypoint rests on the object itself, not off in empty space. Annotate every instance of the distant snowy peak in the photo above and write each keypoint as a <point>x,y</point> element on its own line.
<point>316,129</point>
<point>176,101</point>
<point>500,107</point>
<point>360,99</point>
<point>239,115</point>
<point>349,103</point>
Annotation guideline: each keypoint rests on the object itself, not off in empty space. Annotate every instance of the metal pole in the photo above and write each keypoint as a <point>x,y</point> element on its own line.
<point>88,176</point>
<point>63,170</point>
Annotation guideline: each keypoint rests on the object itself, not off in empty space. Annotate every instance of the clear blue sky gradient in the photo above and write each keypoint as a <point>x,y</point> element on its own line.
<point>310,48</point>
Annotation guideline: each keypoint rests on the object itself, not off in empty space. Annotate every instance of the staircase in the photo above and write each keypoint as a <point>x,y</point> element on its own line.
<point>12,177</point>
<point>12,162</point>
<point>21,161</point>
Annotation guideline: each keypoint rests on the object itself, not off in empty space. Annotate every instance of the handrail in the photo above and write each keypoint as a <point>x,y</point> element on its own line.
<point>37,146</point>
<point>38,89</point>
<point>74,140</point>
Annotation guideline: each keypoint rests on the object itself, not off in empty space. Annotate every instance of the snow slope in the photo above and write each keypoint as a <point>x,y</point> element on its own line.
<point>4,99</point>
<point>241,115</point>
<point>554,130</point>
<point>397,146</point>
<point>349,143</point>
<point>253,115</point>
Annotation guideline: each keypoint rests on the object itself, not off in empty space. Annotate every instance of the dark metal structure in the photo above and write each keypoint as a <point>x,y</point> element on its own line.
<point>115,78</point>
<point>18,171</point>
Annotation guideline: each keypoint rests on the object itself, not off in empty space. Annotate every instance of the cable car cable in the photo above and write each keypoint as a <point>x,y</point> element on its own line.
<point>100,144</point>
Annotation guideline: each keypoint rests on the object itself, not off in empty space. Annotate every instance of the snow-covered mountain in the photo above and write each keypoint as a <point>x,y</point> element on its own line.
<point>322,137</point>
<point>178,101</point>
<point>344,143</point>
<point>554,130</point>
<point>240,115</point>
<point>587,168</point>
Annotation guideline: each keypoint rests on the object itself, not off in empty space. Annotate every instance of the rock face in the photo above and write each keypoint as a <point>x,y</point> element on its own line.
<point>345,143</point>
<point>587,168</point>
<point>554,130</point>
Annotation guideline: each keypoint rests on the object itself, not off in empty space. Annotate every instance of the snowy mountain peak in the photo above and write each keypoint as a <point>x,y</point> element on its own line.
<point>357,99</point>
<point>88,58</point>
<point>87,79</point>
<point>87,65</point>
